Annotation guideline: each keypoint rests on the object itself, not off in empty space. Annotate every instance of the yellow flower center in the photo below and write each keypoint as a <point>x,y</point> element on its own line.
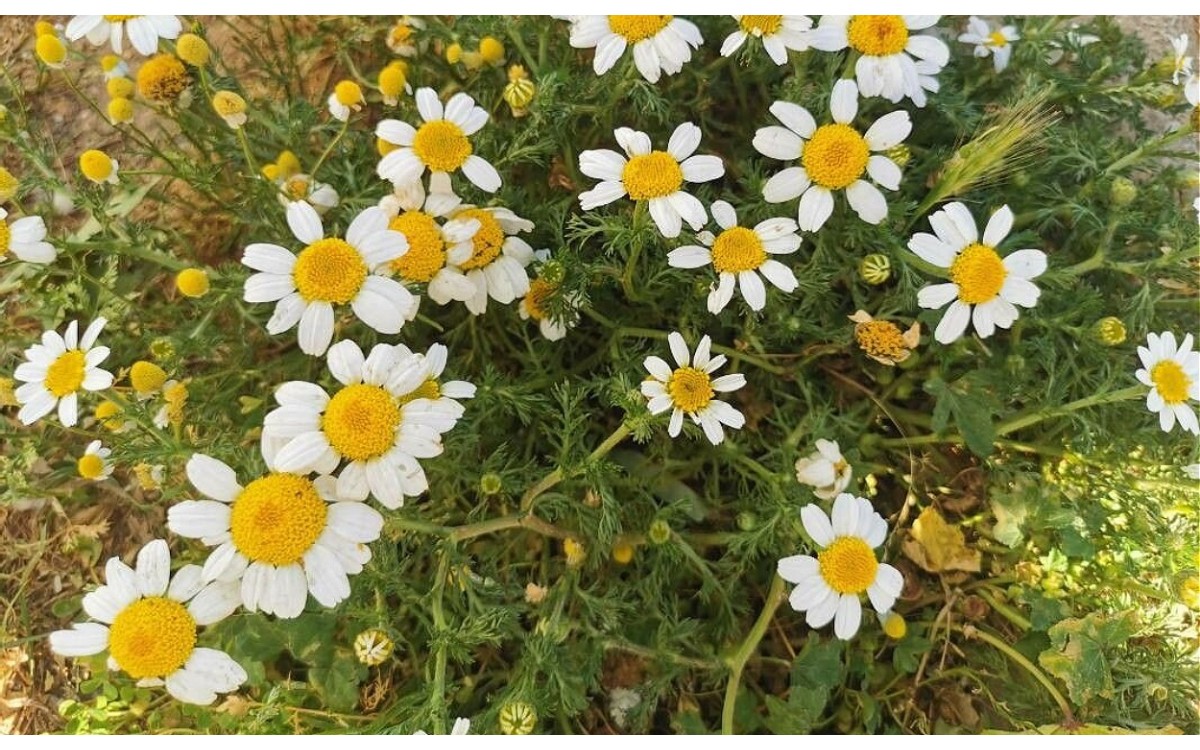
<point>162,78</point>
<point>8,185</point>
<point>426,249</point>
<point>996,39</point>
<point>192,282</point>
<point>118,19</point>
<point>119,87</point>
<point>535,299</point>
<point>881,338</point>
<point>835,156</point>
<point>5,238</point>
<point>652,175</point>
<point>296,188</point>
<point>360,422</point>
<point>90,466</point>
<point>95,165</point>
<point>441,146</point>
<point>761,25</point>
<point>690,389</point>
<point>329,270</point>
<point>106,414</point>
<point>176,397</point>
<point>1171,381</point>
<point>429,389</point>
<point>488,241</point>
<point>64,376</point>
<point>348,93</point>
<point>277,518</point>
<point>736,250</point>
<point>637,28</point>
<point>877,35</point>
<point>979,273</point>
<point>152,637</point>
<point>848,565</point>
<point>227,103</point>
<point>146,377</point>
<point>894,626</point>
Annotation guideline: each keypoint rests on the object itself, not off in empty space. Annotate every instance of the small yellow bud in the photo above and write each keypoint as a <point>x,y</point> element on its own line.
<point>8,185</point>
<point>1189,592</point>
<point>659,532</point>
<point>519,95</point>
<point>392,80</point>
<point>51,50</point>
<point>472,60</point>
<point>575,552</point>
<point>517,73</point>
<point>193,50</point>
<point>109,63</point>
<point>894,626</point>
<point>454,53</point>
<point>119,87</point>
<point>149,476</point>
<point>97,166</point>
<point>348,93</point>
<point>492,50</point>
<point>535,594</point>
<point>622,553</point>
<point>162,348</point>
<point>192,282</point>
<point>120,110</point>
<point>875,269</point>
<point>271,171</point>
<point>146,377</point>
<point>517,718</point>
<point>373,647</point>
<point>8,395</point>
<point>106,411</point>
<point>41,28</point>
<point>1110,331</point>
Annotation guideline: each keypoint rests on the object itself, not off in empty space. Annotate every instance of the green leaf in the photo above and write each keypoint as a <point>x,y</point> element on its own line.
<point>970,406</point>
<point>1010,512</point>
<point>1045,611</point>
<point>906,657</point>
<point>819,664</point>
<point>337,684</point>
<point>1081,651</point>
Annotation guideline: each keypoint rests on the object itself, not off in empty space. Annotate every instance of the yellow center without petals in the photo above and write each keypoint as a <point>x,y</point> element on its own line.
<point>835,156</point>
<point>636,28</point>
<point>979,274</point>
<point>652,175</point>
<point>277,518</point>
<point>329,270</point>
<point>690,389</point>
<point>5,238</point>
<point>429,389</point>
<point>1171,381</point>
<point>848,565</point>
<point>487,242</point>
<point>877,35</point>
<point>535,300</point>
<point>64,376</point>
<point>90,466</point>
<point>426,249</point>
<point>162,78</point>
<point>152,637</point>
<point>736,250</point>
<point>360,422</point>
<point>441,146</point>
<point>996,39</point>
<point>761,25</point>
<point>881,338</point>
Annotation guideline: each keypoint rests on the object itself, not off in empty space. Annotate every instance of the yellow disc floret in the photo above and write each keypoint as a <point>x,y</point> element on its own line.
<point>146,377</point>
<point>835,156</point>
<point>848,565</point>
<point>329,270</point>
<point>690,389</point>
<point>153,637</point>
<point>119,86</point>
<point>441,146</point>
<point>636,28</point>
<point>277,518</point>
<point>877,35</point>
<point>65,375</point>
<point>106,414</point>
<point>8,185</point>
<point>738,249</point>
<point>487,242</point>
<point>894,626</point>
<point>192,282</point>
<point>120,110</point>
<point>360,422</point>
<point>491,49</point>
<point>162,78</point>
<point>426,249</point>
<point>227,103</point>
<point>95,165</point>
<point>761,25</point>
<point>50,50</point>
<point>90,466</point>
<point>979,274</point>
<point>882,339</point>
<point>996,39</point>
<point>429,389</point>
<point>1171,381</point>
<point>348,93</point>
<point>652,175</point>
<point>392,80</point>
<point>5,238</point>
<point>193,50</point>
<point>534,302</point>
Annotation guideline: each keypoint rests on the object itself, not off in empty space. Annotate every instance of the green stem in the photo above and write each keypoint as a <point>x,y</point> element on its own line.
<point>738,661</point>
<point>438,696</point>
<point>635,253</point>
<point>556,476</point>
<point>1146,149</point>
<point>1010,614</point>
<point>329,149</point>
<point>971,631</point>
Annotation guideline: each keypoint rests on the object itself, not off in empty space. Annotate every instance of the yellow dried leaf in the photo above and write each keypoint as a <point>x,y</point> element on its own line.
<point>939,547</point>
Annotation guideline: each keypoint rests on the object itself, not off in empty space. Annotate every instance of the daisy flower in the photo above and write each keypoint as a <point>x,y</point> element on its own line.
<point>829,585</point>
<point>533,304</point>
<point>739,255</point>
<point>94,463</point>
<point>443,395</point>
<point>301,187</point>
<point>147,620</point>
<point>1182,66</point>
<point>661,44</point>
<point>882,340</point>
<point>832,157</point>
<point>56,371</point>
<point>1173,374</point>
<point>987,42</point>
<point>888,51</point>
<point>825,470</point>
<point>984,287</point>
<point>496,265</point>
<point>690,389</point>
<point>144,31</point>
<point>347,97</point>
<point>653,176</point>
<point>440,144</point>
<point>330,271</point>
<point>279,538</point>
<point>778,34</point>
<point>26,239</point>
<point>379,423</point>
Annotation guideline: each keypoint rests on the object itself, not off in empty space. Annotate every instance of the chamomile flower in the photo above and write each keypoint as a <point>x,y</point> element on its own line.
<point>888,52</point>
<point>778,34</point>
<point>98,167</point>
<point>94,463</point>
<point>533,305</point>
<point>829,585</point>
<point>690,389</point>
<point>661,44</point>
<point>984,287</point>
<point>436,243</point>
<point>1182,66</point>
<point>401,39</point>
<point>443,395</point>
<point>832,157</point>
<point>280,537</point>
<point>496,266</point>
<point>59,368</point>
<point>148,621</point>
<point>330,271</point>
<point>378,423</point>
<point>440,144</point>
<point>347,97</point>
<point>1173,375</point>
<point>882,340</point>
<point>739,255</point>
<point>996,43</point>
<point>653,176</point>
<point>825,470</point>
<point>302,187</point>
<point>144,31</point>
<point>25,238</point>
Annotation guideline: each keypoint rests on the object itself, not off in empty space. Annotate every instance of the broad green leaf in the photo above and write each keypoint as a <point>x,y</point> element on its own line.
<point>1080,653</point>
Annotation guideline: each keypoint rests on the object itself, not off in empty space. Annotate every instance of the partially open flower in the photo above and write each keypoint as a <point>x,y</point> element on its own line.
<point>882,340</point>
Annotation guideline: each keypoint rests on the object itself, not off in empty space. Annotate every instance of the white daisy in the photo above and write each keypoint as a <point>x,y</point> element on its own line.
<point>832,157</point>
<point>1173,375</point>
<point>987,42</point>
<point>533,304</point>
<point>330,271</point>
<point>279,538</point>
<point>94,463</point>
<point>653,176</point>
<point>739,255</point>
<point>301,187</point>
<point>828,586</point>
<point>979,277</point>
<point>443,395</point>
<point>778,34</point>
<point>144,31</point>
<point>825,470</point>
<point>496,265</point>
<point>887,50</point>
<point>26,239</point>
<point>379,423</point>
<point>661,44</point>
<point>347,98</point>
<point>1182,67</point>
<point>56,371</point>
<point>440,144</point>
<point>148,621</point>
<point>690,389</point>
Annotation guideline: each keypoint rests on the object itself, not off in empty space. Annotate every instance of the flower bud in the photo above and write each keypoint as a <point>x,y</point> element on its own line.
<point>875,269</point>
<point>1110,331</point>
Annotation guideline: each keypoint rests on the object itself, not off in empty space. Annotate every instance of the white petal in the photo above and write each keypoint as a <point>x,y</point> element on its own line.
<point>481,173</point>
<point>817,524</point>
<point>316,328</point>
<point>797,567</point>
<point>83,639</point>
<point>888,131</point>
<point>848,617</point>
<point>786,185</point>
<point>777,143</point>
<point>843,103</point>
<point>796,118</point>
<point>683,141</point>
<point>884,171</point>
<point>215,602</point>
<point>936,295</point>
<point>1026,264</point>
<point>932,250</point>
<point>326,579</point>
<point>867,201</point>
<point>998,227</point>
<point>213,478</point>
<point>845,515</point>
<point>197,519</point>
<point>304,222</point>
<point>953,323</point>
<point>153,568</point>
<point>816,205</point>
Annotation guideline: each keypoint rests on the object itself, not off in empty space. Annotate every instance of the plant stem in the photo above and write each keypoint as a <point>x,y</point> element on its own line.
<point>329,149</point>
<point>438,695</point>
<point>1146,149</point>
<point>971,631</point>
<point>558,474</point>
<point>738,661</point>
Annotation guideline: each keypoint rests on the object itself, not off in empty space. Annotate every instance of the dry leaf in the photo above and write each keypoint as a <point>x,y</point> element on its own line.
<point>939,547</point>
